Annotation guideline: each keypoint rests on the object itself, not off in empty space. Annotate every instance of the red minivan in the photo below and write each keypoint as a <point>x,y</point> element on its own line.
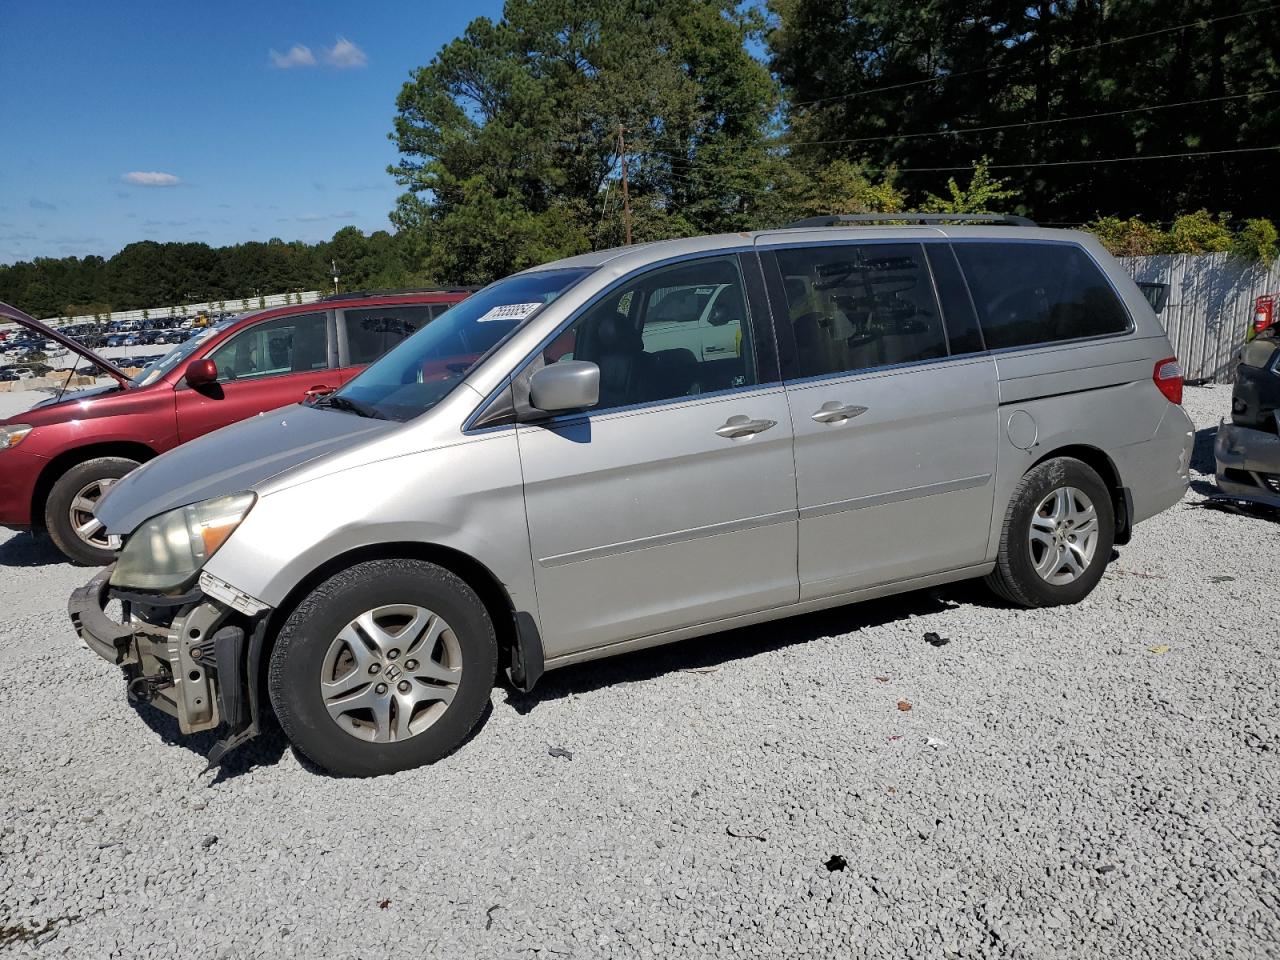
<point>58,458</point>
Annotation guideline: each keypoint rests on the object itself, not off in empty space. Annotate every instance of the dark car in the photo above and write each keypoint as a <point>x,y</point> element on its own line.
<point>1248,448</point>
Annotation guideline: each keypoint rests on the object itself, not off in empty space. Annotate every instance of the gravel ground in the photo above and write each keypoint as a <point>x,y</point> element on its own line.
<point>1061,786</point>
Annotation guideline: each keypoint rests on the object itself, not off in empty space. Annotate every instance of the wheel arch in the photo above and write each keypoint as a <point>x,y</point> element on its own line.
<point>1098,460</point>
<point>57,466</point>
<point>519,644</point>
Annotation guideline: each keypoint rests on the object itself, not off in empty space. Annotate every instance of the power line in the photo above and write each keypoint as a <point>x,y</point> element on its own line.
<point>960,131</point>
<point>695,178</point>
<point>1201,23</point>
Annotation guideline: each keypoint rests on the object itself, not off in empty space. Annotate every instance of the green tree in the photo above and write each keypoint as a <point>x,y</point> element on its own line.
<point>984,194</point>
<point>509,136</point>
<point>1256,241</point>
<point>1053,84</point>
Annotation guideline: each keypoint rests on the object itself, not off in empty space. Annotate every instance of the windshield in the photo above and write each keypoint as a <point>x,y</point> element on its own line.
<point>417,373</point>
<point>158,368</point>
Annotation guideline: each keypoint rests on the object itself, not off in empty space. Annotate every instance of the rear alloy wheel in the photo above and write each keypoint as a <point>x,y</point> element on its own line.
<point>69,509</point>
<point>385,666</point>
<point>1057,536</point>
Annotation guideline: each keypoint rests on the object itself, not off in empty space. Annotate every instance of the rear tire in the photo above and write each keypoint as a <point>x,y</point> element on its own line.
<point>370,640</point>
<point>68,510</point>
<point>1057,536</point>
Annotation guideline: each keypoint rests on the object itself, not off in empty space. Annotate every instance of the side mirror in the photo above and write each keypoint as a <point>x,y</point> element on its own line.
<point>201,373</point>
<point>567,385</point>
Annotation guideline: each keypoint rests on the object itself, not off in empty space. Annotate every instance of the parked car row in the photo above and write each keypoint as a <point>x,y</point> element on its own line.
<point>610,452</point>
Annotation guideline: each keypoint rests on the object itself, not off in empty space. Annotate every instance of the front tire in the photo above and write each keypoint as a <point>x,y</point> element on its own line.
<point>1057,536</point>
<point>68,512</point>
<point>385,666</point>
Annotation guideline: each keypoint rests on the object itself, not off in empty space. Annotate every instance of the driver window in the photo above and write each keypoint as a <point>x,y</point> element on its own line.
<point>860,306</point>
<point>674,332</point>
<point>296,344</point>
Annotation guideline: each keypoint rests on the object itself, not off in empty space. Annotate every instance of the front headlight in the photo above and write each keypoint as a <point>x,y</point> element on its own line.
<point>13,434</point>
<point>167,551</point>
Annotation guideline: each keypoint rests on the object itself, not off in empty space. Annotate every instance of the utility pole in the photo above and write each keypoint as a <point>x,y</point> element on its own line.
<point>626,199</point>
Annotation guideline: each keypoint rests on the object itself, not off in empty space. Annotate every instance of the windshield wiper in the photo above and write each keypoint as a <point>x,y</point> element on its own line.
<point>355,406</point>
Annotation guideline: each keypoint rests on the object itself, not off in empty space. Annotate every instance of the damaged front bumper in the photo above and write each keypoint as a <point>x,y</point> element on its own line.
<point>194,656</point>
<point>1248,464</point>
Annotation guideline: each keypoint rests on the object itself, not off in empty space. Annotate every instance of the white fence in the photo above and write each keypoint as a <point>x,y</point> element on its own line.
<point>1211,299</point>
<point>190,309</point>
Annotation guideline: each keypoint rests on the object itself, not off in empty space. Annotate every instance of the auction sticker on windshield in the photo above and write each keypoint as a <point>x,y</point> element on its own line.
<point>510,311</point>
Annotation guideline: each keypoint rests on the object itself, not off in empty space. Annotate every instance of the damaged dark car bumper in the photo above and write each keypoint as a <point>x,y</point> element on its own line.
<point>1248,464</point>
<point>192,656</point>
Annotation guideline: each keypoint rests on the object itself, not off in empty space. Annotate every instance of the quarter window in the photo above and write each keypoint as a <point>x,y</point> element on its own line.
<point>296,344</point>
<point>1032,293</point>
<point>373,331</point>
<point>677,331</point>
<point>860,306</point>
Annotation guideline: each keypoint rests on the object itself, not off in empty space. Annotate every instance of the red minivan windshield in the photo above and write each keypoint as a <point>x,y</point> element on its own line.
<point>416,375</point>
<point>158,368</point>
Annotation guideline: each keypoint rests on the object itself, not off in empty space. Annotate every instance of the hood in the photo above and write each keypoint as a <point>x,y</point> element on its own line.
<point>231,460</point>
<point>31,323</point>
<point>71,396</point>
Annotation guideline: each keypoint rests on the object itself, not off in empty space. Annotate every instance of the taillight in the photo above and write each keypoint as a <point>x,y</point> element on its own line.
<point>1168,379</point>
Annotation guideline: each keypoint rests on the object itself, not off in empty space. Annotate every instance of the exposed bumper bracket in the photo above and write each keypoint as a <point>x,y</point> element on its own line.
<point>108,639</point>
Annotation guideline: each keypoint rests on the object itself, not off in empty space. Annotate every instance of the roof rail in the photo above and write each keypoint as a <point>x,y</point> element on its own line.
<point>359,294</point>
<point>835,220</point>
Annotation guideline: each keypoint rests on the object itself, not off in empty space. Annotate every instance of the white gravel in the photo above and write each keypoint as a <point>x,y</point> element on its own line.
<point>1057,789</point>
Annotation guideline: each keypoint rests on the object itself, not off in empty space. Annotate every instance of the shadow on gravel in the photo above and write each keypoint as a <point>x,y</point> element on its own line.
<point>721,648</point>
<point>29,550</point>
<point>1203,461</point>
<point>264,750</point>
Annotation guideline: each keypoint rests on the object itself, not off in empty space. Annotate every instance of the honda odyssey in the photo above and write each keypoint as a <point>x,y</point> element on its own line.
<point>549,474</point>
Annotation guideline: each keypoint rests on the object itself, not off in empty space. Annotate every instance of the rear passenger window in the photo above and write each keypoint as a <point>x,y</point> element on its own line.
<point>373,331</point>
<point>858,306</point>
<point>1031,293</point>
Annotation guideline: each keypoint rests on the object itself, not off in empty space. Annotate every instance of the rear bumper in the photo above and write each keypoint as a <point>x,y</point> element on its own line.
<point>1157,470</point>
<point>1248,464</point>
<point>191,657</point>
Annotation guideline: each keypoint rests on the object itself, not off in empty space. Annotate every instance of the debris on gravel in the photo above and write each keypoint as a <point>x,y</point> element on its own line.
<point>1066,794</point>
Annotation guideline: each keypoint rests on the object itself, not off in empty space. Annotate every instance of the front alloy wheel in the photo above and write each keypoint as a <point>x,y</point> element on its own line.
<point>386,665</point>
<point>89,529</point>
<point>68,511</point>
<point>391,673</point>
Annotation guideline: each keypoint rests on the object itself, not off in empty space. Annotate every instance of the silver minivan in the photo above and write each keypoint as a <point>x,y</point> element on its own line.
<point>553,471</point>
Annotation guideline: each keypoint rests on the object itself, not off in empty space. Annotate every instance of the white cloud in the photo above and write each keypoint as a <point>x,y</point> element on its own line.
<point>150,178</point>
<point>298,56</point>
<point>344,55</point>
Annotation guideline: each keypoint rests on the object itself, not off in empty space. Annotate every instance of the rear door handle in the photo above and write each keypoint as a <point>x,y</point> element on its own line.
<point>737,427</point>
<point>835,412</point>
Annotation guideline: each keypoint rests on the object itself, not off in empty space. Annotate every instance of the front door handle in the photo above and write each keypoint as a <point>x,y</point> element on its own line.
<point>835,412</point>
<point>740,426</point>
<point>320,390</point>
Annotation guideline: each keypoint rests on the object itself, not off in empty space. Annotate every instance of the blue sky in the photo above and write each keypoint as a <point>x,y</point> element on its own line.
<point>273,118</point>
